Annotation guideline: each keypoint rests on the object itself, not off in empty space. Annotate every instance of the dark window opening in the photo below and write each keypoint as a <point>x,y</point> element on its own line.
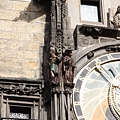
<point>90,10</point>
<point>20,112</point>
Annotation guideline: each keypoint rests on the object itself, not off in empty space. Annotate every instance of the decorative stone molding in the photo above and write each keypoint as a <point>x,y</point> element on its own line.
<point>113,48</point>
<point>87,35</point>
<point>59,26</point>
<point>21,86</point>
<point>90,55</point>
<point>24,89</point>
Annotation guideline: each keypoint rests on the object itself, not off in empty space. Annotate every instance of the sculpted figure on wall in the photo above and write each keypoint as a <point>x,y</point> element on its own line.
<point>64,65</point>
<point>116,18</point>
<point>54,62</point>
<point>68,67</point>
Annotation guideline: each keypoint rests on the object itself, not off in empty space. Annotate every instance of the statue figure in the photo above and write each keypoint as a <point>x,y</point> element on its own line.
<point>54,62</point>
<point>68,67</point>
<point>116,18</point>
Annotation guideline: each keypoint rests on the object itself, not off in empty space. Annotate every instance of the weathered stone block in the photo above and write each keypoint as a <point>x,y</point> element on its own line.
<point>20,5</point>
<point>6,25</point>
<point>30,64</point>
<point>35,28</point>
<point>38,38</point>
<point>10,35</point>
<point>12,63</point>
<point>31,55</point>
<point>16,45</point>
<point>32,46</point>
<point>5,4</point>
<point>19,26</point>
<point>22,32</point>
<point>30,74</point>
<point>6,14</point>
<point>19,54</point>
<point>26,36</point>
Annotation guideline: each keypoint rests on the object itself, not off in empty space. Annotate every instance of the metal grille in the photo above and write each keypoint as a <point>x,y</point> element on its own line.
<point>19,115</point>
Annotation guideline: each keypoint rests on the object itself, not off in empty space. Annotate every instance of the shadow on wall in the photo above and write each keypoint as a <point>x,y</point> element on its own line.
<point>33,11</point>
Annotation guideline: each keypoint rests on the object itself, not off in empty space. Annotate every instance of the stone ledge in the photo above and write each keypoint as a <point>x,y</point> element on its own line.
<point>87,35</point>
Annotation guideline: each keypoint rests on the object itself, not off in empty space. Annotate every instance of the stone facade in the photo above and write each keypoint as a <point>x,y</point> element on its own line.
<point>28,28</point>
<point>24,30</point>
<point>23,27</point>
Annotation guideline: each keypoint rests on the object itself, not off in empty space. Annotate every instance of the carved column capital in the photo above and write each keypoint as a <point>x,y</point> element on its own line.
<point>56,90</point>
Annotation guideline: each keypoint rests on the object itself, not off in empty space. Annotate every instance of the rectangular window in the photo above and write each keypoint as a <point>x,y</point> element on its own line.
<point>91,10</point>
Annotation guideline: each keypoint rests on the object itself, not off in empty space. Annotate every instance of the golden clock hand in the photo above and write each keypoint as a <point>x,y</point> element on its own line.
<point>112,72</point>
<point>102,70</point>
<point>116,79</point>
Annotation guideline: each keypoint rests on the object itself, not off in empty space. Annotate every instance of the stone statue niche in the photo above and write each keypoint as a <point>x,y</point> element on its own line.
<point>114,17</point>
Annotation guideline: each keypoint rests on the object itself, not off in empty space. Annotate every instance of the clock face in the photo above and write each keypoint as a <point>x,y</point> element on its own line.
<point>96,95</point>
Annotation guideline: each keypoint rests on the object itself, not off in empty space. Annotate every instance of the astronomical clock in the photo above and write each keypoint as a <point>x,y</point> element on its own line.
<point>96,95</point>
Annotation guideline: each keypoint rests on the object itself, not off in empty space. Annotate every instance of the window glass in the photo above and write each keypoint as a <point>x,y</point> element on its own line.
<point>90,10</point>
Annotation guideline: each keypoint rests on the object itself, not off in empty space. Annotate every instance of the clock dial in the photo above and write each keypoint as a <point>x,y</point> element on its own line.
<point>96,95</point>
<point>114,101</point>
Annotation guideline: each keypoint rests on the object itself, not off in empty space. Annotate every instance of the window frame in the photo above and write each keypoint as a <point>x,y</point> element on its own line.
<point>101,10</point>
<point>11,107</point>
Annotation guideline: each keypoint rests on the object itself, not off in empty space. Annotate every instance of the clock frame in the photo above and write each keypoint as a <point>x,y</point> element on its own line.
<point>94,94</point>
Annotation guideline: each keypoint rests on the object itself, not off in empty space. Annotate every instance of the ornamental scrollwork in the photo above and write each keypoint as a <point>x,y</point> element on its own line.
<point>113,48</point>
<point>23,89</point>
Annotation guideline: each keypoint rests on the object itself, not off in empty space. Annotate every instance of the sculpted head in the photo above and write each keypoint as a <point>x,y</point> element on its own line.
<point>118,9</point>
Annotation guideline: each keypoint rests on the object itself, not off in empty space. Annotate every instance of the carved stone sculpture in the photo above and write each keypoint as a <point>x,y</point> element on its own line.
<point>68,67</point>
<point>23,89</point>
<point>116,18</point>
<point>54,62</point>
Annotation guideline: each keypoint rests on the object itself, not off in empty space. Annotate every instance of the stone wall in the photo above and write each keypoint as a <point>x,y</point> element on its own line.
<point>115,3</point>
<point>22,32</point>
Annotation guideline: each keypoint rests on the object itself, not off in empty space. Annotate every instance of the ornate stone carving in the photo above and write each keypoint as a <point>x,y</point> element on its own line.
<point>68,67</point>
<point>90,55</point>
<point>59,42</point>
<point>68,88</point>
<point>59,25</point>
<point>24,89</point>
<point>53,23</point>
<point>56,90</point>
<point>63,9</point>
<point>54,61</point>
<point>87,35</point>
<point>93,31</point>
<point>116,18</point>
<point>113,48</point>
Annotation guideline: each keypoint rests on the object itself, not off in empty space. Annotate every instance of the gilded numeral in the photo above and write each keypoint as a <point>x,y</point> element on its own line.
<point>80,78</point>
<point>88,68</point>
<point>81,117</point>
<point>97,60</point>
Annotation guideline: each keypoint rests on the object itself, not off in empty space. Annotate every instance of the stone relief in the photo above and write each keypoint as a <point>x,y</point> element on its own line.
<point>116,18</point>
<point>68,67</point>
<point>61,66</point>
<point>23,89</point>
<point>54,63</point>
